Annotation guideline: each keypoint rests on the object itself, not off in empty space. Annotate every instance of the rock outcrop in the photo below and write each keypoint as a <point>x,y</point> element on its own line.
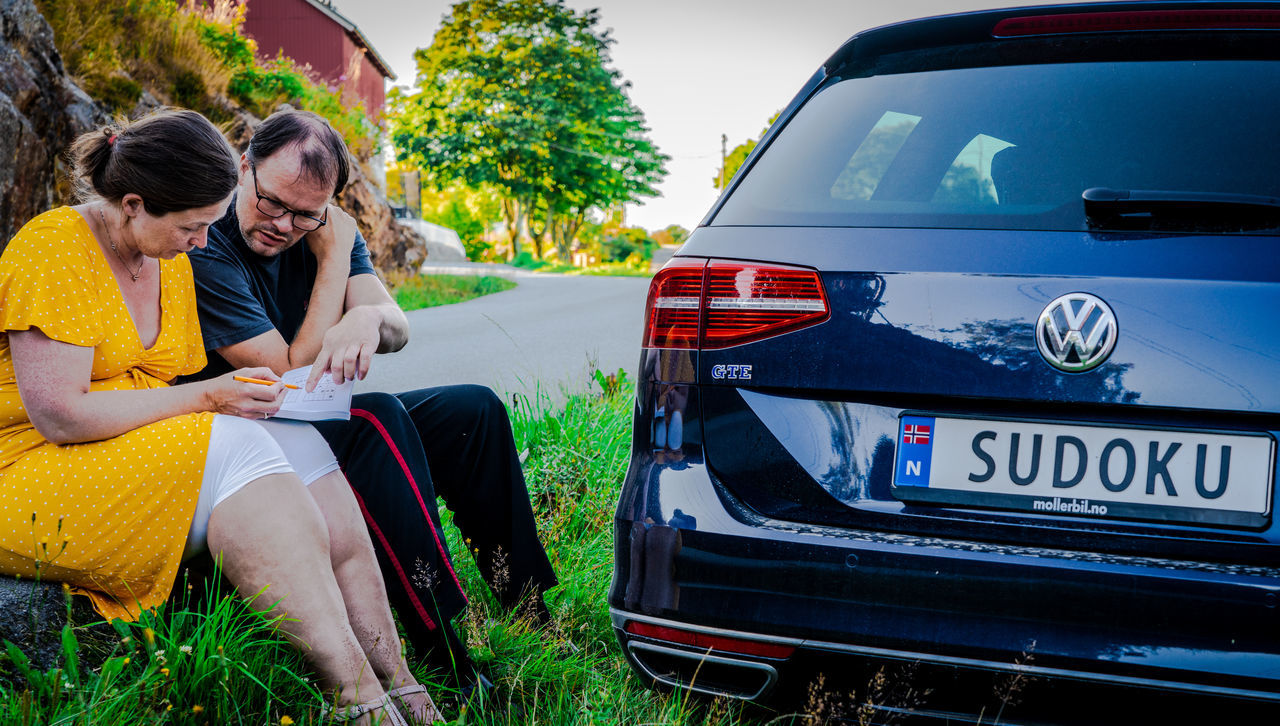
<point>32,615</point>
<point>394,247</point>
<point>41,112</point>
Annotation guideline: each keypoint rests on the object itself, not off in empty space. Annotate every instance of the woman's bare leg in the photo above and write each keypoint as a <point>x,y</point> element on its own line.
<point>272,535</point>
<point>355,566</point>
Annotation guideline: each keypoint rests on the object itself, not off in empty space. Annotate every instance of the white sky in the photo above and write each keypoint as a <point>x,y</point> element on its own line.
<point>698,68</point>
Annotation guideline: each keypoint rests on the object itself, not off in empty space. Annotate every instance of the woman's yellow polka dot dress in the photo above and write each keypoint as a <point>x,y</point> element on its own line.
<point>122,506</point>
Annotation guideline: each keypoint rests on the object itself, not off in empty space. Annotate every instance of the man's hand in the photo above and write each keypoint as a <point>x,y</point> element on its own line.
<point>348,347</point>
<point>335,238</point>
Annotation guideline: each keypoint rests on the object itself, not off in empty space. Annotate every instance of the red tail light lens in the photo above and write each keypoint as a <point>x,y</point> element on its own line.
<point>747,302</point>
<point>717,304</point>
<point>1138,20</point>
<point>714,642</point>
<point>675,305</point>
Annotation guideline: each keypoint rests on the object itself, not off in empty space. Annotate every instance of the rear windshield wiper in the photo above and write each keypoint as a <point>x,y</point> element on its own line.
<point>1178,210</point>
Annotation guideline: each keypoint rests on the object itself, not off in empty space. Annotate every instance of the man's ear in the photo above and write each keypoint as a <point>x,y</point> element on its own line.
<point>244,165</point>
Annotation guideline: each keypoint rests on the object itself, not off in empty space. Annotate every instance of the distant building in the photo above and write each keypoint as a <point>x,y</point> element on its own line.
<point>313,33</point>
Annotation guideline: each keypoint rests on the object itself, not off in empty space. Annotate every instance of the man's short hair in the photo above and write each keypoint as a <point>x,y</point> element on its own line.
<point>324,153</point>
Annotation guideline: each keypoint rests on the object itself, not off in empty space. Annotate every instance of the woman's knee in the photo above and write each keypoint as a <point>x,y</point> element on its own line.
<point>340,509</point>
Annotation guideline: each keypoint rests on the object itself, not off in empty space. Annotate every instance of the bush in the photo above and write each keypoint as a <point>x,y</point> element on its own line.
<point>150,43</point>
<point>632,245</point>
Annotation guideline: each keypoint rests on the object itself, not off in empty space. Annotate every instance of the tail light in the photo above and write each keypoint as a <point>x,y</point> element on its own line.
<point>713,304</point>
<point>675,305</point>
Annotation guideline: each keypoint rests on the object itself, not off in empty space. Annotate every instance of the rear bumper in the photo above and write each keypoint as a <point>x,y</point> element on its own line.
<point>689,556</point>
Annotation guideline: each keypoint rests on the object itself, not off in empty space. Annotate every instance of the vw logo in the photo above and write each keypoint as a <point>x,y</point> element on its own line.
<point>1076,332</point>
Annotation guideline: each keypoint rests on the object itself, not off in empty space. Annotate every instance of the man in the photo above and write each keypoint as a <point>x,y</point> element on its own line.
<point>266,300</point>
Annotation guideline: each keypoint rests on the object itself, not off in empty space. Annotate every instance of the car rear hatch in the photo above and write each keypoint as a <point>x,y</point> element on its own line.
<point>996,357</point>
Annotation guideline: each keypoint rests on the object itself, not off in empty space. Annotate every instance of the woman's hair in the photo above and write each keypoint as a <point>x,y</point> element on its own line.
<point>174,159</point>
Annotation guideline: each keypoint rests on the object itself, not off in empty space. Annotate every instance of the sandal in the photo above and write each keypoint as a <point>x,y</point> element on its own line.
<point>391,715</point>
<point>399,694</point>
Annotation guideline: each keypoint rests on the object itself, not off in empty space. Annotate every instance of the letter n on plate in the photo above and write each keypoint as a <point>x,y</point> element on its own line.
<point>915,450</point>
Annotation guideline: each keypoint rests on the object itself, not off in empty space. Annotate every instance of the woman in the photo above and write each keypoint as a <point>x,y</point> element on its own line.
<point>108,474</point>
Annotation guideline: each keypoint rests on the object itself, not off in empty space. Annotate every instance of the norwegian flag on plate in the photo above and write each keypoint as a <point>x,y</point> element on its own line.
<point>915,451</point>
<point>915,434</point>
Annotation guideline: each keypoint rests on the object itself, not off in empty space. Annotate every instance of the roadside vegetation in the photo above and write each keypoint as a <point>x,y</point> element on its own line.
<point>206,658</point>
<point>426,291</point>
<point>190,54</point>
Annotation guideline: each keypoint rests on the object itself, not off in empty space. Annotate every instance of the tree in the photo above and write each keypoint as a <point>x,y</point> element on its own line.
<point>518,94</point>
<point>734,160</point>
<point>671,235</point>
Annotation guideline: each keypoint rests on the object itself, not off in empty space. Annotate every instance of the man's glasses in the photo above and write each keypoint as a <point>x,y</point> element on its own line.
<point>275,210</point>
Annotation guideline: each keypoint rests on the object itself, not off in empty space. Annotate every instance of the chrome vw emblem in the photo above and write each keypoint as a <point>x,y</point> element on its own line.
<point>1076,332</point>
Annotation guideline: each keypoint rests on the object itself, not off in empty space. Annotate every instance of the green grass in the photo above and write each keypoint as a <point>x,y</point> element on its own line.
<point>205,657</point>
<point>228,661</point>
<point>425,291</point>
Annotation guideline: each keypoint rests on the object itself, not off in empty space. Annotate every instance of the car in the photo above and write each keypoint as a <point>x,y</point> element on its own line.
<point>963,398</point>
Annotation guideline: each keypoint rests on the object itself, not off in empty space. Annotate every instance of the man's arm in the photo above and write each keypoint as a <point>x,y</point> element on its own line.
<point>372,323</point>
<point>367,291</point>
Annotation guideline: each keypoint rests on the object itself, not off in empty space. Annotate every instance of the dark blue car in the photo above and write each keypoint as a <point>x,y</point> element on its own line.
<point>964,397</point>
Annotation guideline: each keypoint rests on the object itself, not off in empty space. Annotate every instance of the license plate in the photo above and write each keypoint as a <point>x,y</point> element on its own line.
<point>1112,472</point>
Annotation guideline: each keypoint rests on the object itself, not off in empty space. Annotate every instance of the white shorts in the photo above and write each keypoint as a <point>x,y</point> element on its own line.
<point>240,453</point>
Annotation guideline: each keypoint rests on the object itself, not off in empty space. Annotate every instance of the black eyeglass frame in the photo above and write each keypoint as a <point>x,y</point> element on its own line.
<point>294,221</point>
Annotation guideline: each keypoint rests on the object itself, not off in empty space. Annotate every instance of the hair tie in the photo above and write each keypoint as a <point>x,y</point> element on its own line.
<point>111,140</point>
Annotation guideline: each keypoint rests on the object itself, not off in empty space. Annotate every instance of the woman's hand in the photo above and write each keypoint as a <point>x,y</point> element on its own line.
<point>226,395</point>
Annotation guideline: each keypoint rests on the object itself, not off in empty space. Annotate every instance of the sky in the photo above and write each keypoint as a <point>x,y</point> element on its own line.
<point>698,68</point>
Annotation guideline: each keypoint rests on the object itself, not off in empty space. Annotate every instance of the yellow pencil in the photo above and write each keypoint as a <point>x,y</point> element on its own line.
<point>259,381</point>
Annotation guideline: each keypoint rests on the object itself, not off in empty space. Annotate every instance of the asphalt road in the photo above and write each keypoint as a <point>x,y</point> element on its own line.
<point>545,336</point>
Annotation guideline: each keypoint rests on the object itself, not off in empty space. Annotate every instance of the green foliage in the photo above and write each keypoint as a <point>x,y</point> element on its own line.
<point>155,44</point>
<point>671,235</point>
<point>457,216</point>
<point>425,291</point>
<point>630,268</point>
<point>611,384</point>
<point>527,261</point>
<point>738,155</point>
<point>630,244</point>
<point>519,95</point>
<point>190,55</point>
<point>199,659</point>
<point>260,87</point>
<point>188,89</point>
<point>118,92</point>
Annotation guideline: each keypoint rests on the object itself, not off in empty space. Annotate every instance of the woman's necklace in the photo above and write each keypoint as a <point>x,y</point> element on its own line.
<point>111,241</point>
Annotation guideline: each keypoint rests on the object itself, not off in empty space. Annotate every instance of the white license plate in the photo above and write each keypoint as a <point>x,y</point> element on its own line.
<point>1199,477</point>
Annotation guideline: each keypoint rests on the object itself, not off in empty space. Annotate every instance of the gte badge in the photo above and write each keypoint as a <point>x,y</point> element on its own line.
<point>731,373</point>
<point>915,451</point>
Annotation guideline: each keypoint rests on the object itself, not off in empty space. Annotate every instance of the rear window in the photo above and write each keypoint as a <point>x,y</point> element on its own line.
<point>1014,147</point>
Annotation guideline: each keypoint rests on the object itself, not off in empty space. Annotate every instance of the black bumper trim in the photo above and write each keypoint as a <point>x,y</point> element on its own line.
<point>620,618</point>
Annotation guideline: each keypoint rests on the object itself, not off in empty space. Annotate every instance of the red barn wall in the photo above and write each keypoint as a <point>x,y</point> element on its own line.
<point>310,37</point>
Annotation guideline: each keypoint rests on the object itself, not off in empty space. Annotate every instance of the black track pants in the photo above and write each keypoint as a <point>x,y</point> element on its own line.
<point>398,452</point>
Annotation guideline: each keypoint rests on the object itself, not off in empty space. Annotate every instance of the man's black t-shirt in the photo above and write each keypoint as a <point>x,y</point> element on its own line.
<point>242,295</point>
